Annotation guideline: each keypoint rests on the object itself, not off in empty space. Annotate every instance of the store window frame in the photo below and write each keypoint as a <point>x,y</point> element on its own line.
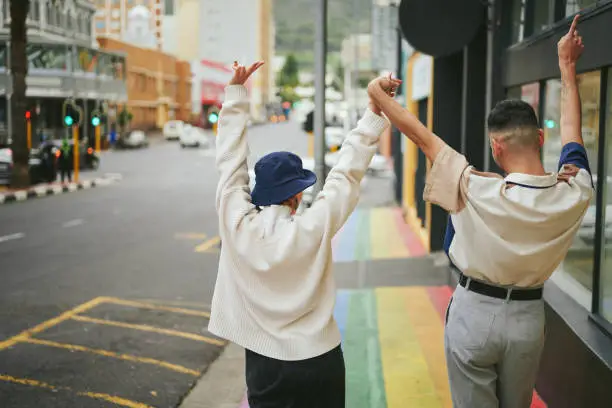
<point>595,314</point>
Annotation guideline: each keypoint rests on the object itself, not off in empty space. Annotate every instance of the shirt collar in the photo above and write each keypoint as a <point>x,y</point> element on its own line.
<point>528,180</point>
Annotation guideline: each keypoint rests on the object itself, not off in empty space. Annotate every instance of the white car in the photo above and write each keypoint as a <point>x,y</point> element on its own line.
<point>193,136</point>
<point>173,129</point>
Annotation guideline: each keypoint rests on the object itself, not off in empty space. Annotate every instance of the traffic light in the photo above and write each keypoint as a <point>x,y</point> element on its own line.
<point>72,113</point>
<point>213,117</point>
<point>95,119</point>
<point>28,115</point>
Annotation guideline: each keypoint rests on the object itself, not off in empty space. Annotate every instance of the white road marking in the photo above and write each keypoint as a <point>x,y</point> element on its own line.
<point>72,223</point>
<point>12,237</point>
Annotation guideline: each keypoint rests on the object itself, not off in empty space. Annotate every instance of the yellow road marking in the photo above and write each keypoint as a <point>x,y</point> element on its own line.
<point>50,323</point>
<point>145,305</point>
<point>179,303</point>
<point>208,244</point>
<point>190,235</point>
<point>144,327</point>
<point>106,353</point>
<point>96,395</point>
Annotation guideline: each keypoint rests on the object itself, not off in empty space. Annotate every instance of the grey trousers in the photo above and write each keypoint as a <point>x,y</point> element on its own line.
<point>493,349</point>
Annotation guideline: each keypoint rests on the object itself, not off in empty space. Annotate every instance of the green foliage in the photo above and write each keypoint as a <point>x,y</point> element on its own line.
<point>295,27</point>
<point>124,118</point>
<point>289,95</point>
<point>288,76</point>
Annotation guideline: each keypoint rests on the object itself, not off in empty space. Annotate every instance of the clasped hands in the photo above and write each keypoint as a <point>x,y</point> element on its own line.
<point>379,87</point>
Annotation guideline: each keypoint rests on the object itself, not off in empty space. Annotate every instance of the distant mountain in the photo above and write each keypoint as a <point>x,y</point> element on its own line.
<point>295,28</point>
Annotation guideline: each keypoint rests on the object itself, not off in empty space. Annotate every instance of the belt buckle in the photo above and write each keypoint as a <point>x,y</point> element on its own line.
<point>508,294</point>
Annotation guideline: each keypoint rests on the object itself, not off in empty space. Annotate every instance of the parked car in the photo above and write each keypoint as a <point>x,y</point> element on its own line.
<point>133,140</point>
<point>193,136</point>
<point>43,164</point>
<point>88,158</point>
<point>173,129</point>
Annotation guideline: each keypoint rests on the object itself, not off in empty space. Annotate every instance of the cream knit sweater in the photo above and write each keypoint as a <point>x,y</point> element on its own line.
<point>275,291</point>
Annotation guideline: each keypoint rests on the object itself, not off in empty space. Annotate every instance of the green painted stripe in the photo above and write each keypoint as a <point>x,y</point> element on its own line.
<point>362,246</point>
<point>364,381</point>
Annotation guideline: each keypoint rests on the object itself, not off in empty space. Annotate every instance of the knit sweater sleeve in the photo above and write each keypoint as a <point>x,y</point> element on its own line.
<point>233,198</point>
<point>340,194</point>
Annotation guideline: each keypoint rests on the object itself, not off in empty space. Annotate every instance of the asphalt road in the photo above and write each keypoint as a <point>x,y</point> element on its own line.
<point>114,283</point>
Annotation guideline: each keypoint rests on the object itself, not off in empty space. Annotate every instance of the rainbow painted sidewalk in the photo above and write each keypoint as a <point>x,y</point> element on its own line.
<point>376,233</point>
<point>393,346</point>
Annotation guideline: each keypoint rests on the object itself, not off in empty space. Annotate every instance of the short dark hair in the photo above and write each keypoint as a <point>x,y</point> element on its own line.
<point>512,114</point>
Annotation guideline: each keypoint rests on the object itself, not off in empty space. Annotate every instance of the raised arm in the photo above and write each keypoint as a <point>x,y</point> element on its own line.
<point>405,121</point>
<point>340,193</point>
<point>569,49</point>
<point>233,195</point>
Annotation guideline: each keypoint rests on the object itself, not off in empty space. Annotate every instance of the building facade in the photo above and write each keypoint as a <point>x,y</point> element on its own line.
<point>158,85</point>
<point>62,63</point>
<point>138,22</point>
<point>518,56</point>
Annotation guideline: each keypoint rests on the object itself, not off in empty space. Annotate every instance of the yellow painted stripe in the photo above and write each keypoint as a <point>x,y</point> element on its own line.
<point>429,331</point>
<point>50,323</point>
<point>96,395</point>
<point>208,244</point>
<point>405,369</point>
<point>144,327</point>
<point>146,305</point>
<point>378,238</point>
<point>106,353</point>
<point>387,243</point>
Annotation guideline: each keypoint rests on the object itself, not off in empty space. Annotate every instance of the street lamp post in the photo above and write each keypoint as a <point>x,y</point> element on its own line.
<point>319,113</point>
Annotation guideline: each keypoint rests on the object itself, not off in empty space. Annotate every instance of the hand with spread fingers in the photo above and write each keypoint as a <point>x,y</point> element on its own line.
<point>242,73</point>
<point>570,46</point>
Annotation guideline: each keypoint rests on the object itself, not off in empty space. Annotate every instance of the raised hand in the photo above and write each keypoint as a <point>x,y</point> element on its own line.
<point>570,46</point>
<point>387,84</point>
<point>242,74</point>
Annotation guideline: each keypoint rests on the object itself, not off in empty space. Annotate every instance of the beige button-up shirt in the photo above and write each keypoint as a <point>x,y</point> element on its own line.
<point>512,231</point>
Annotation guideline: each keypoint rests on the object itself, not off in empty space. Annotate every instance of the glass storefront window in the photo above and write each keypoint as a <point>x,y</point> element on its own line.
<point>606,245</point>
<point>578,264</point>
<point>541,15</point>
<point>47,56</point>
<point>85,60</point>
<point>574,6</point>
<point>529,93</point>
<point>518,20</point>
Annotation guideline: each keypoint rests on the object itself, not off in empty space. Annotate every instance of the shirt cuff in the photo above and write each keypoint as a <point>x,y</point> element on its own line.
<point>235,93</point>
<point>447,181</point>
<point>373,122</point>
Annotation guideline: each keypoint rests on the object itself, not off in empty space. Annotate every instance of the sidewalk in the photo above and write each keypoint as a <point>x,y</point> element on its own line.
<point>48,189</point>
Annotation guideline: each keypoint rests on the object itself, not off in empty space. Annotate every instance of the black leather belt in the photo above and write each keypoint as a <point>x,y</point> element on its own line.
<point>499,292</point>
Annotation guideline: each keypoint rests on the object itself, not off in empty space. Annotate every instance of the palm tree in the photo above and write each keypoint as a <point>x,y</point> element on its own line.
<point>19,69</point>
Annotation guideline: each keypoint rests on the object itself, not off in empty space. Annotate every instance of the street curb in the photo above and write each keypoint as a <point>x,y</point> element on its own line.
<point>223,384</point>
<point>50,189</point>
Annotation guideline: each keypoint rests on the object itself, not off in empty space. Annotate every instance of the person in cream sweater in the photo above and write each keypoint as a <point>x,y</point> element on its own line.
<point>275,291</point>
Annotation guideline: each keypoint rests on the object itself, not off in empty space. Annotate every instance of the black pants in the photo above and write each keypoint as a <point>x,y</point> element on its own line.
<point>66,173</point>
<point>318,382</point>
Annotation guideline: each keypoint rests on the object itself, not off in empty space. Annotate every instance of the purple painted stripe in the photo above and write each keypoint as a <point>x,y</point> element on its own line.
<point>244,403</point>
<point>341,310</point>
<point>347,239</point>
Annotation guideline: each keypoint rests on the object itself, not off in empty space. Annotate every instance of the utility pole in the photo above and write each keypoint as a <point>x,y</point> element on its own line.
<point>355,76</point>
<point>319,114</point>
<point>398,162</point>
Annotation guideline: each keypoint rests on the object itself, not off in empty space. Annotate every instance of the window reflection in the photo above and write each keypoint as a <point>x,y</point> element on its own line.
<point>529,93</point>
<point>47,56</point>
<point>85,60</point>
<point>541,15</point>
<point>574,6</point>
<point>606,265</point>
<point>578,263</point>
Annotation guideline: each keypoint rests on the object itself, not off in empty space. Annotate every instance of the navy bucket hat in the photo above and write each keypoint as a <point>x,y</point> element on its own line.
<point>278,177</point>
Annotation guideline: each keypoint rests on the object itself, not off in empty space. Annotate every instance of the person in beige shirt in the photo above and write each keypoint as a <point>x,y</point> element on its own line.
<point>506,236</point>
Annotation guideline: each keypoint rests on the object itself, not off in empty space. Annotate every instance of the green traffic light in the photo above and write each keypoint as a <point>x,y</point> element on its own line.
<point>213,117</point>
<point>95,121</point>
<point>68,120</point>
<point>550,123</point>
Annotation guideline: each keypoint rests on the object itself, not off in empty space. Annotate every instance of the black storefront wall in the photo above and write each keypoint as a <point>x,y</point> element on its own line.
<point>536,58</point>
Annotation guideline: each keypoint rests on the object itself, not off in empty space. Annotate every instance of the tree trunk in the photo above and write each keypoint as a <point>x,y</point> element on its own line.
<point>19,69</point>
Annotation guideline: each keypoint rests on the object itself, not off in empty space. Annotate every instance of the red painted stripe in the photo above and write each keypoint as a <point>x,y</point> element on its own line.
<point>411,240</point>
<point>216,65</point>
<point>440,296</point>
<point>537,401</point>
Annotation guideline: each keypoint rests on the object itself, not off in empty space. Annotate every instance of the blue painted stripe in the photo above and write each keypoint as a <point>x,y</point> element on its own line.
<point>345,251</point>
<point>341,310</point>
